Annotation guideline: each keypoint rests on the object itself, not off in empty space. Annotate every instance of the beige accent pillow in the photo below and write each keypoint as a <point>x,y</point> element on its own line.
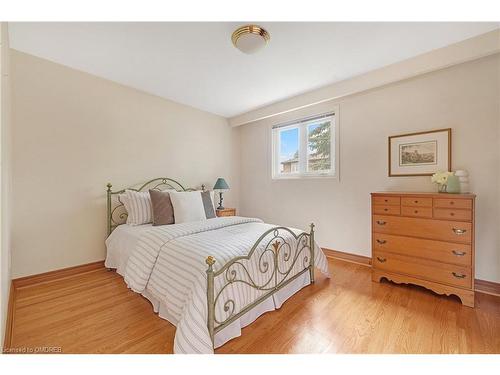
<point>163,212</point>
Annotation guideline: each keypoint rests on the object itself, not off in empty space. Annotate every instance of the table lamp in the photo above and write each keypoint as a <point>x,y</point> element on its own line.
<point>221,185</point>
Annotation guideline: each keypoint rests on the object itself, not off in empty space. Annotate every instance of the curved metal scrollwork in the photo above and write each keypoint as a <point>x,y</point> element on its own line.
<point>278,257</point>
<point>117,214</point>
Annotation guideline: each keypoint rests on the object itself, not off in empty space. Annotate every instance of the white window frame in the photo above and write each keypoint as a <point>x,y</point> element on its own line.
<point>302,125</point>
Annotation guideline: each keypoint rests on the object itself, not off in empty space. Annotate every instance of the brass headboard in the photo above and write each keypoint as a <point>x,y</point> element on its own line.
<point>117,214</point>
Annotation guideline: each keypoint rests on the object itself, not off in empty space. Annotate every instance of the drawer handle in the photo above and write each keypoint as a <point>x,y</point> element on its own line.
<point>458,275</point>
<point>385,200</point>
<point>381,260</point>
<point>381,222</point>
<point>451,202</point>
<point>416,211</point>
<point>415,201</point>
<point>452,214</point>
<point>386,209</point>
<point>381,241</point>
<point>459,232</point>
<point>459,253</point>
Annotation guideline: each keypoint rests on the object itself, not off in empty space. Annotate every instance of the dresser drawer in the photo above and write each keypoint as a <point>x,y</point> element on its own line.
<point>416,202</point>
<point>226,212</point>
<point>453,203</point>
<point>416,211</point>
<point>423,228</point>
<point>450,214</point>
<point>386,201</point>
<point>433,271</point>
<point>446,252</point>
<point>386,210</point>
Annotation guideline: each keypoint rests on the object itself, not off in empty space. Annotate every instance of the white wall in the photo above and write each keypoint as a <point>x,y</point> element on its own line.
<point>74,132</point>
<point>464,97</point>
<point>5,162</point>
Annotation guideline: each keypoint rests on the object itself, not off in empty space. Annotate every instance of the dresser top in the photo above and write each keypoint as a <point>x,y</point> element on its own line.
<point>425,194</point>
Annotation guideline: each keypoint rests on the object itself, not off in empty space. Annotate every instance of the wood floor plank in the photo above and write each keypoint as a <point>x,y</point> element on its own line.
<point>96,313</point>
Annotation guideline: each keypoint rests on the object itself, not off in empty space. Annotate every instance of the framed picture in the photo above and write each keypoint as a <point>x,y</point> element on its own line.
<point>420,154</point>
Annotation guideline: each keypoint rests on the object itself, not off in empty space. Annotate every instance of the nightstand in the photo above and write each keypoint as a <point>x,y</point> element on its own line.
<point>226,212</point>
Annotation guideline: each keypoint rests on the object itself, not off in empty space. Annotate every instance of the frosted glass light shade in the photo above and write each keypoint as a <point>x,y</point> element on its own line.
<point>250,43</point>
<point>250,38</point>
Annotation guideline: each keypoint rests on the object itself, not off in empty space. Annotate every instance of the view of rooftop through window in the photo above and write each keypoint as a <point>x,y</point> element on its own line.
<point>304,147</point>
<point>289,150</point>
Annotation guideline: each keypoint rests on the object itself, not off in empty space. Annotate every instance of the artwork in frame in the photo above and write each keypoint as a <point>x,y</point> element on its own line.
<point>420,154</point>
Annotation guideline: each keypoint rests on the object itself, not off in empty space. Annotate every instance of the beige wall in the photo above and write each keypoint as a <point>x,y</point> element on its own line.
<point>5,163</point>
<point>466,50</point>
<point>73,133</point>
<point>464,97</point>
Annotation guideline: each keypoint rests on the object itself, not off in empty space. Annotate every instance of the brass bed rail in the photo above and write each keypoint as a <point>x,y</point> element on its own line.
<point>236,271</point>
<point>116,213</point>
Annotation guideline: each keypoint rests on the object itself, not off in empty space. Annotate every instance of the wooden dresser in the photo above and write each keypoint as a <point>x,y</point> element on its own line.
<point>425,239</point>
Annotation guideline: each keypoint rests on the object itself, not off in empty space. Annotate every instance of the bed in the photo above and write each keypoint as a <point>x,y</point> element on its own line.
<point>209,278</point>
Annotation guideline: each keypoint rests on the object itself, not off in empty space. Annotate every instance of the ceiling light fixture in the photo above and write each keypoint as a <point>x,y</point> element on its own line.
<point>250,38</point>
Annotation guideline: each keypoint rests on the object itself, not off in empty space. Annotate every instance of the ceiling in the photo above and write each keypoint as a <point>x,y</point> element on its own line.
<point>196,64</point>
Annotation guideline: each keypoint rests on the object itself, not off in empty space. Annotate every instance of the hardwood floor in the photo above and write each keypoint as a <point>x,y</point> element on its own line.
<point>96,313</point>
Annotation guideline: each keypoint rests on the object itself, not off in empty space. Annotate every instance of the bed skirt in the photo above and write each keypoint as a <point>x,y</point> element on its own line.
<point>233,330</point>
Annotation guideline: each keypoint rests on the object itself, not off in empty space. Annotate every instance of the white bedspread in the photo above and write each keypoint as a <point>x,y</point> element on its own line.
<point>169,264</point>
<point>121,244</point>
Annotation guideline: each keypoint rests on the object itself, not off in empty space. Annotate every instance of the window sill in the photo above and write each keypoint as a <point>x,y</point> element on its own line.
<point>306,177</point>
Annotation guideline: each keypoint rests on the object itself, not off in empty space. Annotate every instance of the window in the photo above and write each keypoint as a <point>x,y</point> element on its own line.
<point>305,148</point>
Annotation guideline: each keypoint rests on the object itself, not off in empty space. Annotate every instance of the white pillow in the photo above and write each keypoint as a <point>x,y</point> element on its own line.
<point>138,206</point>
<point>188,206</point>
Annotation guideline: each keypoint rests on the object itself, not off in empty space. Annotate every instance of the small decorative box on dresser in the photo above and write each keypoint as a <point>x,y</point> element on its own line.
<point>425,239</point>
<point>226,212</point>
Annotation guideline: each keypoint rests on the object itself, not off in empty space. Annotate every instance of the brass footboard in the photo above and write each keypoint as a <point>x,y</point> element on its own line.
<point>268,253</point>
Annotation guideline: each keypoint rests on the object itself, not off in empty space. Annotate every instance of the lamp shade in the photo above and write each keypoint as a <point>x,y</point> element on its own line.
<point>221,184</point>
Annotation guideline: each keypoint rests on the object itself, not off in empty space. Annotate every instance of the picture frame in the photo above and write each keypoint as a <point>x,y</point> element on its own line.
<point>420,154</point>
